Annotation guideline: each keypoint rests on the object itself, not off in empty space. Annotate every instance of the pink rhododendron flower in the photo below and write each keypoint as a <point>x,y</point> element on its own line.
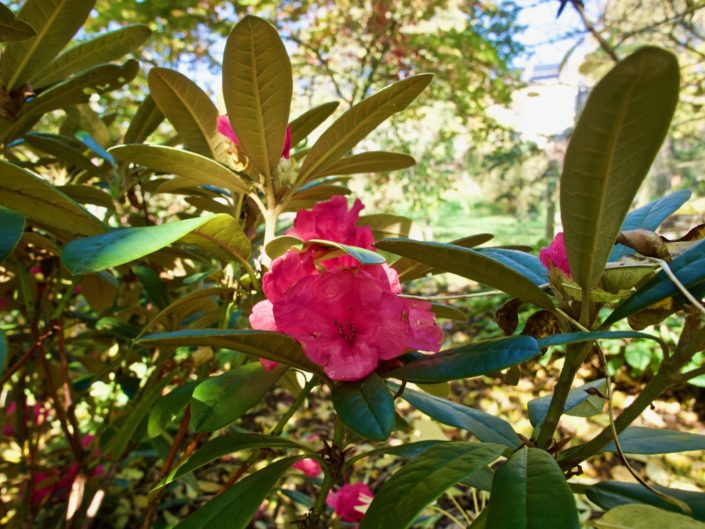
<point>309,466</point>
<point>554,255</point>
<point>350,501</point>
<point>226,129</point>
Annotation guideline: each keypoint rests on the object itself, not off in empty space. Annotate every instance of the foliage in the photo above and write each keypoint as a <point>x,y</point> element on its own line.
<point>152,302</point>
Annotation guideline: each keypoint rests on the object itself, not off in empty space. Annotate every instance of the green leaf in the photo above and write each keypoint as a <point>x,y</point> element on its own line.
<point>85,194</point>
<point>105,48</point>
<point>424,479</point>
<point>407,451</point>
<point>448,311</point>
<point>168,407</point>
<point>363,256</point>
<point>42,203</point>
<point>77,89</point>
<point>197,168</point>
<point>146,120</point>
<point>12,29</point>
<point>581,402</point>
<point>54,22</point>
<point>189,110</point>
<point>365,406</point>
<point>640,440</point>
<point>153,285</point>
<point>357,123</point>
<point>530,492</point>
<point>650,217</point>
<point>370,162</point>
<point>689,268</point>
<point>279,245</point>
<point>475,359</point>
<point>526,264</point>
<point>307,122</point>
<point>64,149</point>
<point>270,345</point>
<point>219,401</point>
<point>611,494</point>
<point>257,89</point>
<point>576,337</point>
<point>217,233</point>
<point>237,505</point>
<point>470,264</point>
<point>645,517</point>
<point>119,443</point>
<point>487,428</point>
<point>615,141</point>
<point>3,351</point>
<point>11,229</point>
<point>385,225</point>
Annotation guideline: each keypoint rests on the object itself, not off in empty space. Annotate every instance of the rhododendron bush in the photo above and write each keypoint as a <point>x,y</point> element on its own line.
<point>227,277</point>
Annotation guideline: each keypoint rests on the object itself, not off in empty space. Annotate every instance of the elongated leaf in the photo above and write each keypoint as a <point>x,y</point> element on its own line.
<point>269,345</point>
<point>168,407</point>
<point>63,149</point>
<point>530,492</point>
<point>471,264</point>
<point>187,164</point>
<point>11,229</point>
<point>475,359</point>
<point>487,428</point>
<point>218,401</point>
<point>12,29</point>
<point>39,201</point>
<point>85,194</point>
<point>576,337</point>
<point>257,88</point>
<point>615,141</point>
<point>146,120</point>
<point>358,122</point>
<point>384,225</point>
<point>689,268</point>
<point>526,264</point>
<point>640,440</point>
<point>366,407</point>
<point>610,494</point>
<point>407,451</point>
<point>448,311</point>
<point>362,255</point>
<point>3,351</point>
<point>218,233</point>
<point>102,49</point>
<point>224,445</point>
<point>77,89</point>
<point>581,402</point>
<point>370,162</point>
<point>650,217</point>
<point>235,507</point>
<point>189,110</point>
<point>645,517</point>
<point>307,122</point>
<point>423,480</point>
<point>54,22</point>
<point>134,418</point>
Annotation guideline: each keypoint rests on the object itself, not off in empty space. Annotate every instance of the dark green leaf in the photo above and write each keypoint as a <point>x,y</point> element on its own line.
<point>12,29</point>
<point>3,351</point>
<point>105,48</point>
<point>526,264</point>
<point>366,407</point>
<point>448,311</point>
<point>39,201</point>
<point>362,255</point>
<point>487,428</point>
<point>54,23</point>
<point>610,494</point>
<point>235,507</point>
<point>146,120</point>
<point>581,402</point>
<point>530,492</point>
<point>636,516</point>
<point>370,162</point>
<point>257,89</point>
<point>471,264</point>
<point>640,440</point>
<point>479,358</point>
<point>307,122</point>
<point>153,285</point>
<point>615,141</point>
<point>168,407</point>
<point>576,337</point>
<point>424,479</point>
<point>64,149</point>
<point>650,217</point>
<point>11,229</point>
<point>384,225</point>
<point>358,122</point>
<point>219,401</point>
<point>263,344</point>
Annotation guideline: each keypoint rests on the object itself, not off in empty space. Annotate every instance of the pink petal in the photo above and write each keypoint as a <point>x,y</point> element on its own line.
<point>349,501</point>
<point>226,129</point>
<point>286,150</point>
<point>309,466</point>
<point>554,255</point>
<point>287,270</point>
<point>262,319</point>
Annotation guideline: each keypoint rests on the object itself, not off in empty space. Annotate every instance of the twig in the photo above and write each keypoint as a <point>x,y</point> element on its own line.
<point>593,31</point>
<point>667,270</point>
<point>20,362</point>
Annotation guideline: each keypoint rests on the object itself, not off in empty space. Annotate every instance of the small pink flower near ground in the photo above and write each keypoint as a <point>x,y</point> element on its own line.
<point>554,255</point>
<point>226,129</point>
<point>309,466</point>
<point>350,502</point>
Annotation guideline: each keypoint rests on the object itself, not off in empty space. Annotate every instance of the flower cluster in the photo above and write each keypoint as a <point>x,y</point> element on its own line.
<point>350,501</point>
<point>347,316</point>
<point>226,129</point>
